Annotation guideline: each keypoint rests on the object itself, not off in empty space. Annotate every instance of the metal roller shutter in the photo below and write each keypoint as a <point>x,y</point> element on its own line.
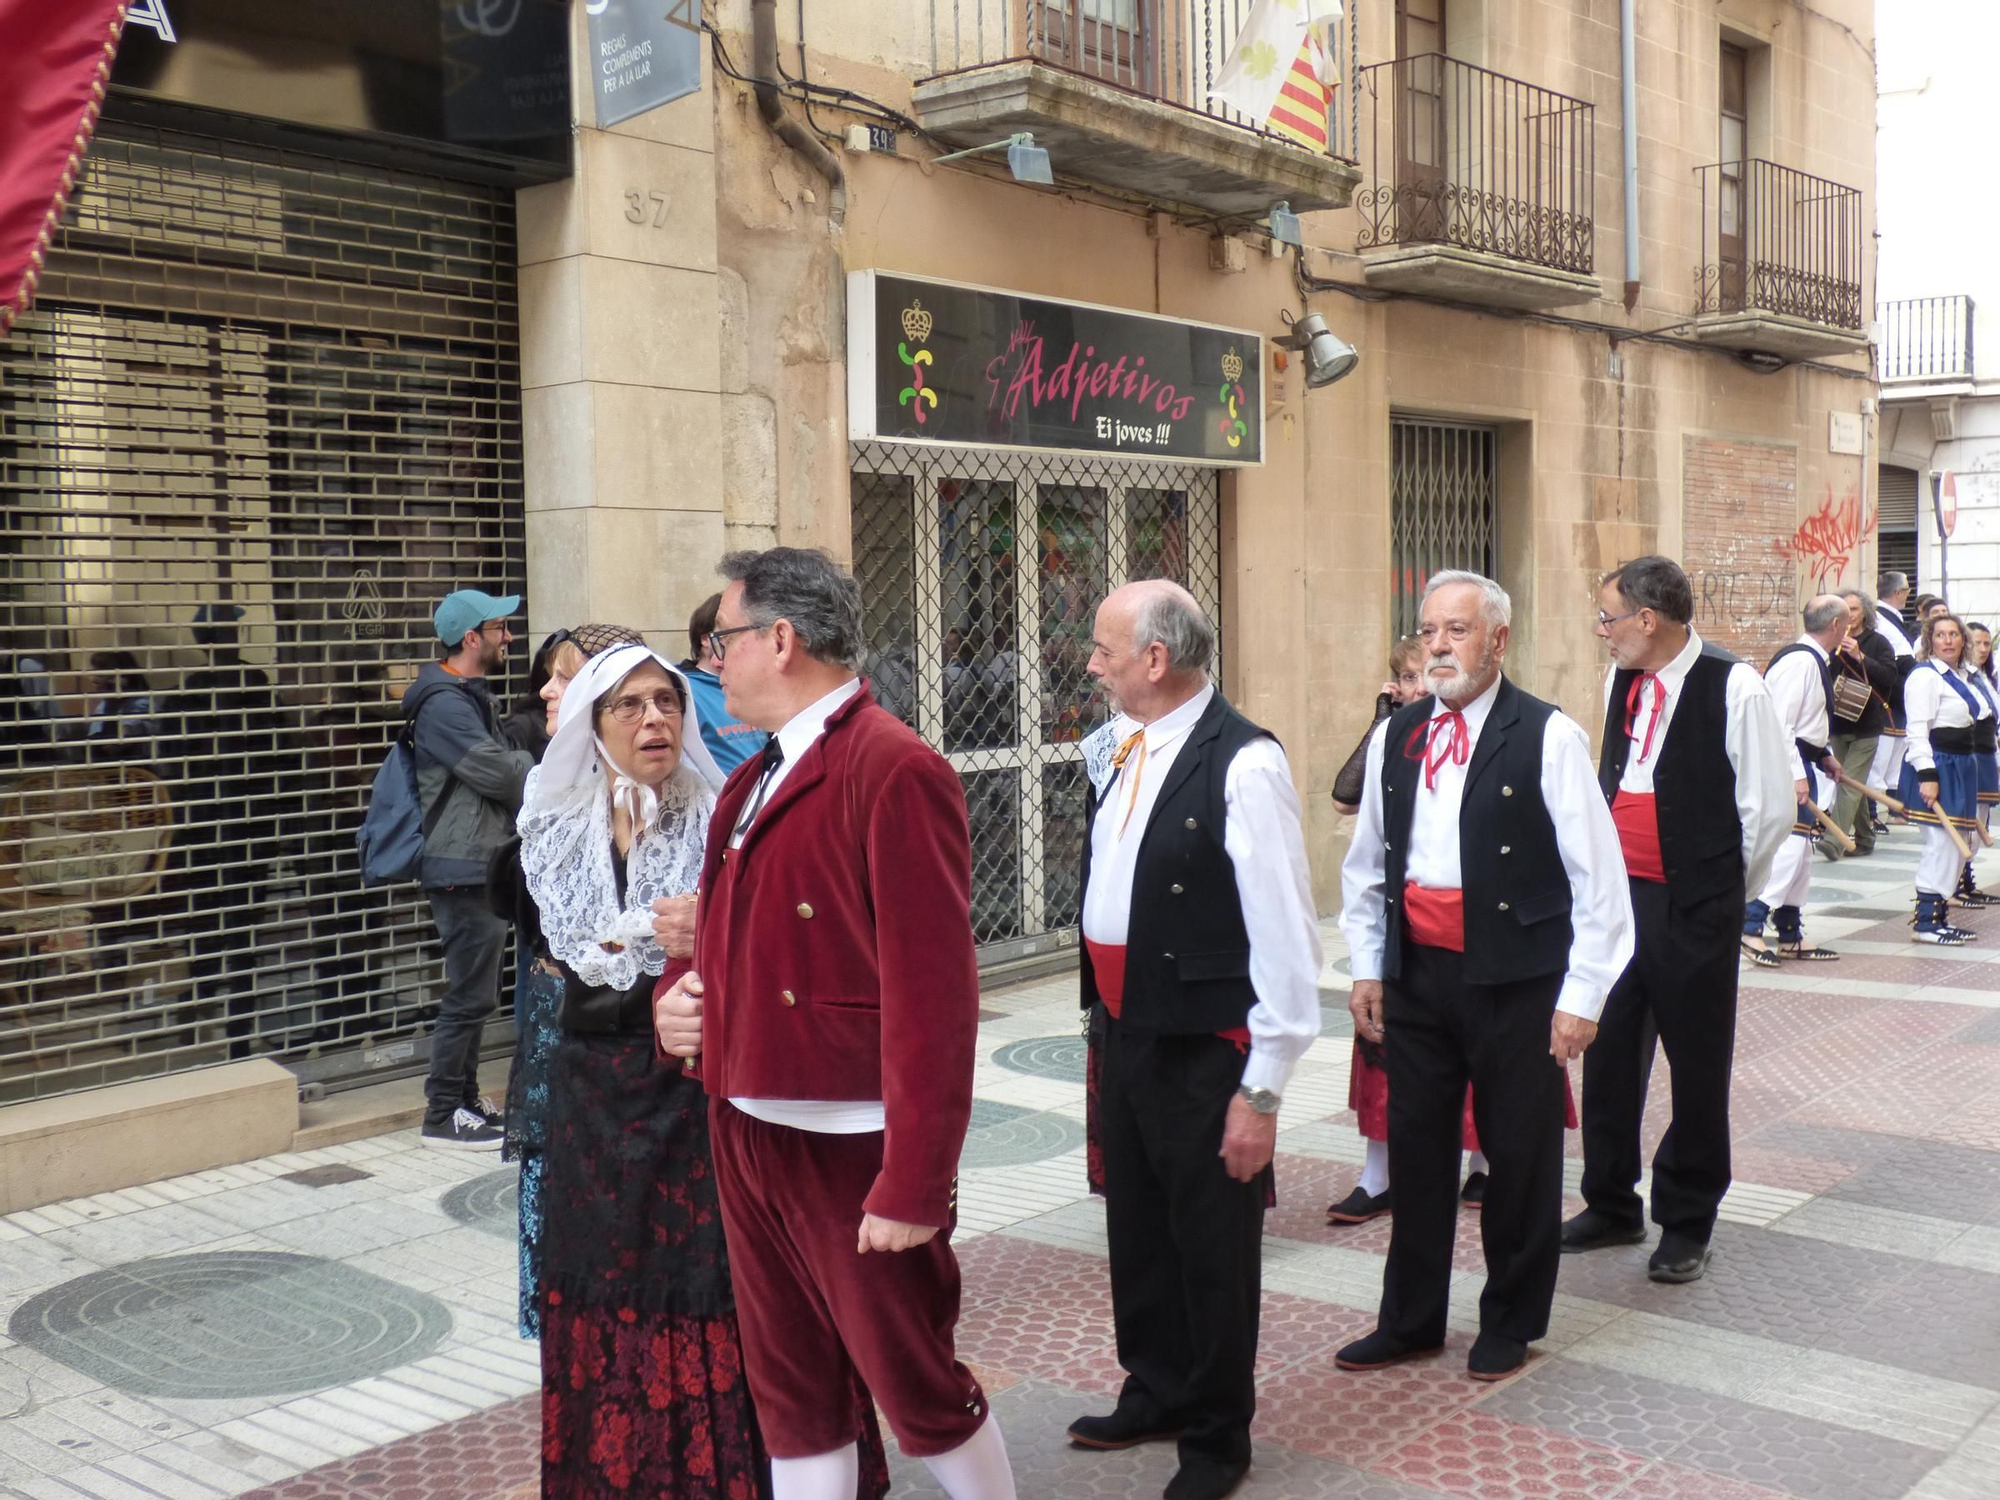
<point>265,414</point>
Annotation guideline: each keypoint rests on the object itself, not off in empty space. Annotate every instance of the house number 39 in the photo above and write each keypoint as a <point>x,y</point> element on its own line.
<point>637,211</point>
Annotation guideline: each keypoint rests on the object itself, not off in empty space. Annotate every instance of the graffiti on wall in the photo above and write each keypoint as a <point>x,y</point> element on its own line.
<point>1827,541</point>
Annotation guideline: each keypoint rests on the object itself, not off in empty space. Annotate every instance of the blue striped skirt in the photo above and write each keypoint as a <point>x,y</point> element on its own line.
<point>1959,782</point>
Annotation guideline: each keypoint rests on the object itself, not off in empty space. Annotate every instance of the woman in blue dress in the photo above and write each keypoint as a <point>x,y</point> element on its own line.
<point>1950,739</point>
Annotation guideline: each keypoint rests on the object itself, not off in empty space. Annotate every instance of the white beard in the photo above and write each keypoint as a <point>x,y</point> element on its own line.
<point>1462,684</point>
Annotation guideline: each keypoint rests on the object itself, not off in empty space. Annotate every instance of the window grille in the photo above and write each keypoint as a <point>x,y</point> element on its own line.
<point>980,574</point>
<point>1444,507</point>
<point>265,414</point>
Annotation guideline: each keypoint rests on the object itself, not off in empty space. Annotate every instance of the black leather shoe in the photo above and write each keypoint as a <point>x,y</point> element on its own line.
<point>1473,1194</point>
<point>1204,1479</point>
<point>1358,1207</point>
<point>1591,1230</point>
<point>1380,1350</point>
<point>1495,1357</point>
<point>1122,1429</point>
<point>1680,1257</point>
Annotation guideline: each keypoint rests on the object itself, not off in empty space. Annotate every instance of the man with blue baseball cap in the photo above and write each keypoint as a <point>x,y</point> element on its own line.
<point>469,782</point>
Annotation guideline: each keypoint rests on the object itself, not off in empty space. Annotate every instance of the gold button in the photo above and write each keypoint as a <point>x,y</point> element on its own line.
<point>805,911</point>
<point>1175,889</point>
<point>788,997</point>
<point>1503,906</point>
<point>1190,822</point>
<point>1506,848</point>
<point>1506,791</point>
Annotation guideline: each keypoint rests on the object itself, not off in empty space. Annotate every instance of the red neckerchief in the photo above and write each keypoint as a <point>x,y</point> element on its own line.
<point>1456,748</point>
<point>1632,700</point>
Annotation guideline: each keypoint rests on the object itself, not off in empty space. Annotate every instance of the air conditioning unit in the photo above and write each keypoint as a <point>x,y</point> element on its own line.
<point>1944,418</point>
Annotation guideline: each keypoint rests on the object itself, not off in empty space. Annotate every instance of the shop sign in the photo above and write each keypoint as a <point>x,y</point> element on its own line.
<point>643,53</point>
<point>935,362</point>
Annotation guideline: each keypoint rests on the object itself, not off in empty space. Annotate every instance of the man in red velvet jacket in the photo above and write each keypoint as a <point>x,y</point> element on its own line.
<point>834,1007</point>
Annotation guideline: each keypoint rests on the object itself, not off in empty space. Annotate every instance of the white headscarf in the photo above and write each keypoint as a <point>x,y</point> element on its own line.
<point>566,831</point>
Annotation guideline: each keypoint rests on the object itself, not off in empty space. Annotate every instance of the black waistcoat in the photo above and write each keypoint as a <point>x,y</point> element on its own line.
<point>1187,952</point>
<point>1694,785</point>
<point>1517,896</point>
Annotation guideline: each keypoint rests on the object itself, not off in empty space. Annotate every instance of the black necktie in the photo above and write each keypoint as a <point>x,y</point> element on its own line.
<point>773,756</point>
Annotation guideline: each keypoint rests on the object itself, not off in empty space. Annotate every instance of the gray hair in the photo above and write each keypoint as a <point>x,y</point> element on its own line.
<point>1867,607</point>
<point>1165,616</point>
<point>1493,602</point>
<point>1891,584</point>
<point>1821,612</point>
<point>810,592</point>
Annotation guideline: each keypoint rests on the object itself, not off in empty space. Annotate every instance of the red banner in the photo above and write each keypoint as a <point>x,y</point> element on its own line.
<point>55,62</point>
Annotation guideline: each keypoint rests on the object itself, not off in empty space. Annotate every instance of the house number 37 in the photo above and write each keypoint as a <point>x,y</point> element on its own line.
<point>640,207</point>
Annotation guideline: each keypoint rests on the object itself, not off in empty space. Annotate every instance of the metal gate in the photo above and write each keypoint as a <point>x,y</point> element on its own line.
<point>1443,507</point>
<point>980,575</point>
<point>264,416</point>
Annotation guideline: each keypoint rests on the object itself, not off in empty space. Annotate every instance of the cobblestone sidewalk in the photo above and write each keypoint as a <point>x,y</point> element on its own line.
<point>340,1323</point>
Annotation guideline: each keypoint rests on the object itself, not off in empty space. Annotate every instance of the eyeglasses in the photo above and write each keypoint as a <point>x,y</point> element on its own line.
<point>632,707</point>
<point>1605,622</point>
<point>1409,677</point>
<point>499,625</point>
<point>718,639</point>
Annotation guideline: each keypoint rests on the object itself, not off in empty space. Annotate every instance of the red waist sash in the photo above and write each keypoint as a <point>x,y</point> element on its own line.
<point>1107,964</point>
<point>1436,918</point>
<point>1639,835</point>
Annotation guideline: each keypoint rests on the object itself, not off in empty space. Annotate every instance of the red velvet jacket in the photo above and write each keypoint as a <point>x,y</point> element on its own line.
<point>835,947</point>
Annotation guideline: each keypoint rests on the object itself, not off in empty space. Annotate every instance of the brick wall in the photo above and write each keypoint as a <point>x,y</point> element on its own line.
<point>1739,502</point>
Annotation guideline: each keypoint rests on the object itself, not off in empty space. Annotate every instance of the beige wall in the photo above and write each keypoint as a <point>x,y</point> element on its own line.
<point>1592,452</point>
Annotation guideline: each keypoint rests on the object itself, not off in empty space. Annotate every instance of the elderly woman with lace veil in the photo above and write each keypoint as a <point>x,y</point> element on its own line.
<point>642,1380</point>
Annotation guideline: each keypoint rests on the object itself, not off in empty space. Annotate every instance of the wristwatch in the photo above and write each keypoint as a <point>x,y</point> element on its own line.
<point>1262,1100</point>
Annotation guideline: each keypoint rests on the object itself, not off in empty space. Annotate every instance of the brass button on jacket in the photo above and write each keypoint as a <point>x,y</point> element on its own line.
<point>788,997</point>
<point>805,911</point>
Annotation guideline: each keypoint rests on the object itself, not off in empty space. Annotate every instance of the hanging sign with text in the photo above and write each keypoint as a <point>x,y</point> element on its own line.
<point>935,362</point>
<point>642,55</point>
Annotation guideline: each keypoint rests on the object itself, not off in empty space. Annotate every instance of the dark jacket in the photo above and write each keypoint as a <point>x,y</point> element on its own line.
<point>1878,670</point>
<point>463,762</point>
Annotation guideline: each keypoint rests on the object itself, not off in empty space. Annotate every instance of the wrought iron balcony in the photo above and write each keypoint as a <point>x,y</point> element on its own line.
<point>1118,92</point>
<point>1479,185</point>
<point>1780,268</point>
<point>1927,341</point>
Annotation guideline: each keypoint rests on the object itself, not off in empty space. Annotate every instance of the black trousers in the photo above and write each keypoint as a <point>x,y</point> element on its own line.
<point>1185,1238</point>
<point>475,941</point>
<point>1679,989</point>
<point>1442,1034</point>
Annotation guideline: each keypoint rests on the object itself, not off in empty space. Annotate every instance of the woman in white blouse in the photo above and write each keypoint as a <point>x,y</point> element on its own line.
<point>1949,723</point>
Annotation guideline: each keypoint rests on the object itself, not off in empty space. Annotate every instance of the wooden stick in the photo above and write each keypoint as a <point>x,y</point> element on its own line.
<point>1871,793</point>
<point>1833,830</point>
<point>1964,849</point>
<point>1985,837</point>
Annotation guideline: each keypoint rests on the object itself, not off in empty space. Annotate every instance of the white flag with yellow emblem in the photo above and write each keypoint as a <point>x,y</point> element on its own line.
<point>1277,72</point>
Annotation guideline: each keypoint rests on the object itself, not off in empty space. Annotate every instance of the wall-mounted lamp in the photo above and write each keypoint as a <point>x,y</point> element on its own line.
<point>1328,356</point>
<point>1027,161</point>
<point>1284,225</point>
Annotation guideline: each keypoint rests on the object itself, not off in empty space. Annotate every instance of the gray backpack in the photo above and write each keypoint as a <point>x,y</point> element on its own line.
<point>390,840</point>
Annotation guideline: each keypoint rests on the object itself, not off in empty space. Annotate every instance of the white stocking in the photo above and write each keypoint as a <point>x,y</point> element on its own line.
<point>1375,1170</point>
<point>977,1469</point>
<point>824,1476</point>
<point>1477,1164</point>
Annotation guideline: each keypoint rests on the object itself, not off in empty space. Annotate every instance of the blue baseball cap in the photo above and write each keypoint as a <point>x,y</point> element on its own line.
<point>468,609</point>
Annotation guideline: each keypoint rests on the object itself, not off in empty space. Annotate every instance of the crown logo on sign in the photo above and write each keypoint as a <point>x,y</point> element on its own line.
<point>916,322</point>
<point>1232,366</point>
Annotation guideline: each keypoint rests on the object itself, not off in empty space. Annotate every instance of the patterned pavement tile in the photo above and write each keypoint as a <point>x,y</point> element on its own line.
<point>1975,1125</point>
<point>480,1457</point>
<point>1359,1417</point>
<point>1482,1456</point>
<point>1628,1412</point>
<point>1985,1031</point>
<point>1931,1178</point>
<point>1799,1456</point>
<point>1935,1320</point>
<point>1665,1481</point>
<point>1061,1333</point>
<point>1785,1169</point>
<point>1005,1267</point>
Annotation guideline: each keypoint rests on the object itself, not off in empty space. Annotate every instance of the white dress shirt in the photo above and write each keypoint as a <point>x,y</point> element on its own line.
<point>827,1116</point>
<point>1263,835</point>
<point>1600,900</point>
<point>1759,750</point>
<point>1891,625</point>
<point>1932,703</point>
<point>1798,692</point>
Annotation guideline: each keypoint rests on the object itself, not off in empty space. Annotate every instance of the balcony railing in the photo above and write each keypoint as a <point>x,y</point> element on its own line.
<point>1459,155</point>
<point>1779,241</point>
<point>1927,338</point>
<point>1166,50</point>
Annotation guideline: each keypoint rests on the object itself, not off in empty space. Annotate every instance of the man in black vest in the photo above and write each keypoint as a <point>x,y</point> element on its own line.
<point>1200,975</point>
<point>1699,774</point>
<point>1486,917</point>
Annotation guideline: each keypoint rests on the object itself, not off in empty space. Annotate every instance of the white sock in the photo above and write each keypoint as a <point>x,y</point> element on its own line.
<point>1375,1170</point>
<point>823,1476</point>
<point>977,1469</point>
<point>1476,1164</point>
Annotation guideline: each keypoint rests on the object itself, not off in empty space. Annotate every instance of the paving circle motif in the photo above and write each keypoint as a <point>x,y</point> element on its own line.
<point>230,1323</point>
<point>1006,1135</point>
<point>491,1203</point>
<point>1059,1057</point>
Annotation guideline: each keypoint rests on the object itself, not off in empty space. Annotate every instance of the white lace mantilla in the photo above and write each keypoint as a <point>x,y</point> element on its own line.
<point>567,853</point>
<point>1100,745</point>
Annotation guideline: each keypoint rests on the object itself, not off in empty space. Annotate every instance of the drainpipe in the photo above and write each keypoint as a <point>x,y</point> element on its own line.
<point>1628,95</point>
<point>764,68</point>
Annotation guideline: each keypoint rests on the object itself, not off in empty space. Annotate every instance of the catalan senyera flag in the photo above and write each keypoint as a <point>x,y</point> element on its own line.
<point>1278,71</point>
<point>55,63</point>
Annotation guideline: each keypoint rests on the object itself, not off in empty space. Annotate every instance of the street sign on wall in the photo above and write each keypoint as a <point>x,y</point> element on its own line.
<point>937,362</point>
<point>1947,503</point>
<point>643,53</point>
